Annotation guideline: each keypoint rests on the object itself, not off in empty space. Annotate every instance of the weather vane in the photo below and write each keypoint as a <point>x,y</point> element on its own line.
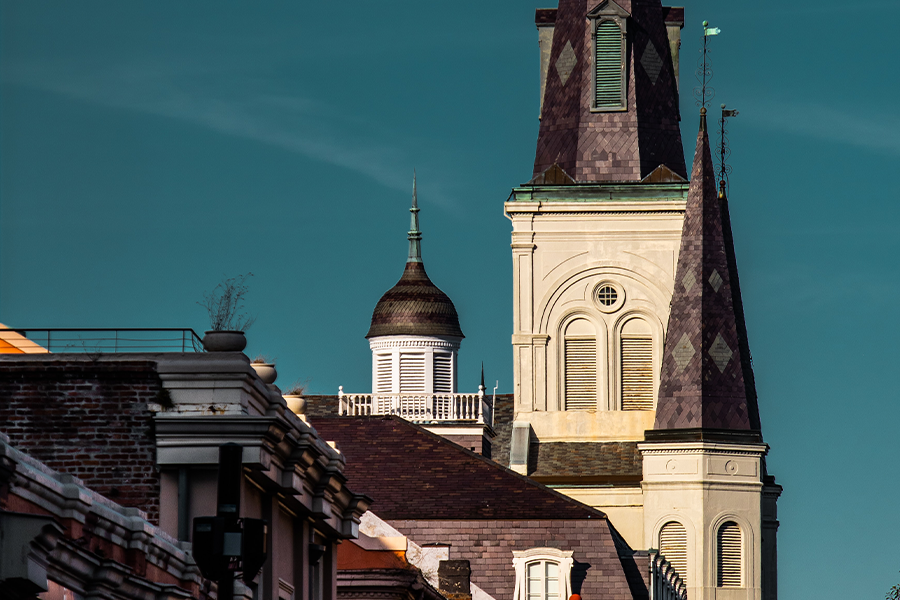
<point>705,93</point>
<point>723,151</point>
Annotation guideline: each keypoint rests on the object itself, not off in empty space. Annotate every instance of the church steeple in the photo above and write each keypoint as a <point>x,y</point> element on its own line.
<point>706,384</point>
<point>610,96</point>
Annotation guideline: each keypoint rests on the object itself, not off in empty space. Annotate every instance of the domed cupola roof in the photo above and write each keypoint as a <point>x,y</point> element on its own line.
<point>415,306</point>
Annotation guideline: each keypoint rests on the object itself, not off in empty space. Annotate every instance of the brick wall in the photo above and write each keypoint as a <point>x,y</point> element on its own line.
<point>87,418</point>
<point>488,545</point>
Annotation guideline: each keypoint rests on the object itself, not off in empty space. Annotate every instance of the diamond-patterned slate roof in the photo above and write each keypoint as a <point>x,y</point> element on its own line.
<point>619,145</point>
<point>706,380</point>
<point>415,306</point>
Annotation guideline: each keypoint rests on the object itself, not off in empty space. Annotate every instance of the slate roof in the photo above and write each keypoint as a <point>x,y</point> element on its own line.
<point>415,306</point>
<point>587,462</point>
<point>706,379</point>
<point>414,474</point>
<point>618,145</point>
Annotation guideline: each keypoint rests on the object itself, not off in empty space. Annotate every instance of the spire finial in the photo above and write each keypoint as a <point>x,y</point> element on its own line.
<point>482,376</point>
<point>723,151</point>
<point>705,92</point>
<point>414,236</point>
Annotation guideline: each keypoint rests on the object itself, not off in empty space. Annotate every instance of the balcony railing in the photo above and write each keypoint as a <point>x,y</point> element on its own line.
<point>419,408</point>
<point>105,340</point>
<point>665,582</point>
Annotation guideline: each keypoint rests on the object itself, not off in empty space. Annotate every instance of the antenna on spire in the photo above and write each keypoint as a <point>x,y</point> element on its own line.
<point>414,236</point>
<point>705,93</point>
<point>723,151</point>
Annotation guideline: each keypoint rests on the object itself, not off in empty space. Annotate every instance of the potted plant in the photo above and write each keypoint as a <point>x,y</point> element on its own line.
<point>294,397</point>
<point>227,319</point>
<point>265,368</point>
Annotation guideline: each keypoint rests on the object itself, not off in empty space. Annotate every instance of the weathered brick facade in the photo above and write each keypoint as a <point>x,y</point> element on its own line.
<point>489,544</point>
<point>87,417</point>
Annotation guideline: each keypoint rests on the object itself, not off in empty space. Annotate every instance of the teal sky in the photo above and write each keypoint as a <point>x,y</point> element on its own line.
<point>148,149</point>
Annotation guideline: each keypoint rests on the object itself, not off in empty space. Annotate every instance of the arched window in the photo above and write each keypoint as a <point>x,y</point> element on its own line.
<point>543,574</point>
<point>580,350</point>
<point>729,544</point>
<point>636,365</point>
<point>673,546</point>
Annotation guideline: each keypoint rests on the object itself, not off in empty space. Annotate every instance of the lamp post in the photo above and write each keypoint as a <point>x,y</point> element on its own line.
<point>227,544</point>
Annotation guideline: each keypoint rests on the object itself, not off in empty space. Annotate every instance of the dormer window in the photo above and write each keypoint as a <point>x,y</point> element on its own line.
<point>609,25</point>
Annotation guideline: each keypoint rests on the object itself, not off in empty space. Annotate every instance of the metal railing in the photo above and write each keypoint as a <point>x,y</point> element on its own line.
<point>419,407</point>
<point>665,582</point>
<point>113,339</point>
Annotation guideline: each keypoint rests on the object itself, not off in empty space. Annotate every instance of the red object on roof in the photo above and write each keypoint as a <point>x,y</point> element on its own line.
<point>617,145</point>
<point>415,474</point>
<point>706,381</point>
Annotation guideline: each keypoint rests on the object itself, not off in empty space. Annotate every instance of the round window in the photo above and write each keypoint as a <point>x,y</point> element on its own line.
<point>607,295</point>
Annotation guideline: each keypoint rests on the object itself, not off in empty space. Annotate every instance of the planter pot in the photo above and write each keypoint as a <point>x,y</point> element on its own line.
<point>297,404</point>
<point>265,371</point>
<point>224,341</point>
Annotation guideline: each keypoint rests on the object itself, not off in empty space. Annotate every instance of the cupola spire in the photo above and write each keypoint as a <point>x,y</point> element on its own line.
<point>414,235</point>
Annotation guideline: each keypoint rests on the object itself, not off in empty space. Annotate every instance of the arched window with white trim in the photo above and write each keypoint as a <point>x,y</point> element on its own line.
<point>636,365</point>
<point>673,546</point>
<point>729,548</point>
<point>543,574</point>
<point>580,365</point>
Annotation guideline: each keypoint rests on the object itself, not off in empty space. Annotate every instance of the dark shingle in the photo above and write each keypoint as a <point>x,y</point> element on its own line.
<point>414,474</point>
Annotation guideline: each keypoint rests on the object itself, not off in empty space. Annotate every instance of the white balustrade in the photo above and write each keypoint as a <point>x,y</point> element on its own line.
<point>418,407</point>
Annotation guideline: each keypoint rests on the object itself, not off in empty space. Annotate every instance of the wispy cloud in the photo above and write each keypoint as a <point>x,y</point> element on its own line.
<point>875,131</point>
<point>241,107</point>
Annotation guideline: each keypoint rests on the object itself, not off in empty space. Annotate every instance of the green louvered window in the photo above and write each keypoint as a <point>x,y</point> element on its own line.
<point>609,62</point>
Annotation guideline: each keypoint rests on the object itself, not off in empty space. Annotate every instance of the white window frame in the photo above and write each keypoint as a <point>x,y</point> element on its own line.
<point>562,558</point>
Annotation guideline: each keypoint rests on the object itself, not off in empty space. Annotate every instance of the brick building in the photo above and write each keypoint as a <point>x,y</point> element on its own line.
<point>144,430</point>
<point>443,495</point>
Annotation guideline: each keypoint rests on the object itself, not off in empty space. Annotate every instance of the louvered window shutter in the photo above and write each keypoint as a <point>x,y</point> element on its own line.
<point>610,64</point>
<point>673,546</point>
<point>412,372</point>
<point>581,373</point>
<point>443,372</point>
<point>729,549</point>
<point>637,373</point>
<point>383,373</point>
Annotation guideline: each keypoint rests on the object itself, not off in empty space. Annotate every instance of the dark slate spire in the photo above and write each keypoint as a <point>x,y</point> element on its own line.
<point>706,385</point>
<point>415,306</point>
<point>619,144</point>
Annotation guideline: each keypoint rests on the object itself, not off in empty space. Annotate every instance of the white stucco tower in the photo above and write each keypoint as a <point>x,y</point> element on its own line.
<point>415,333</point>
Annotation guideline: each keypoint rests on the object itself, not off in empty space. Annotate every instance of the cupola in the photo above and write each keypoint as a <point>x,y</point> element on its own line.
<point>415,333</point>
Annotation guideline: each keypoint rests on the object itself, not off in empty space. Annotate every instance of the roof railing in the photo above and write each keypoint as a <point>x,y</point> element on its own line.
<point>419,408</point>
<point>103,340</point>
